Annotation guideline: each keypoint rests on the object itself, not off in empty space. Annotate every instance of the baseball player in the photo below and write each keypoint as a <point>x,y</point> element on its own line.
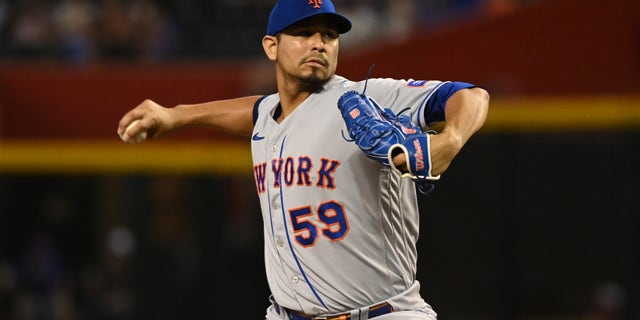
<point>336,166</point>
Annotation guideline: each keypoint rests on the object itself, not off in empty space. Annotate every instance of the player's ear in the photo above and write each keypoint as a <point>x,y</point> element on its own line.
<point>270,46</point>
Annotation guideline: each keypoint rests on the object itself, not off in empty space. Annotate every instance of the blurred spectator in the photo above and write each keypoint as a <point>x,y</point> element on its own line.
<point>367,17</point>
<point>7,288</point>
<point>105,291</point>
<point>43,291</point>
<point>608,302</point>
<point>152,32</point>
<point>31,34</point>
<point>401,18</point>
<point>114,35</point>
<point>132,30</point>
<point>4,18</point>
<point>74,20</point>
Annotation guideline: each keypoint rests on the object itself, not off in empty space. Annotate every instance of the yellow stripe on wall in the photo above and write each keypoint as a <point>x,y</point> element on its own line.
<point>563,114</point>
<point>105,157</point>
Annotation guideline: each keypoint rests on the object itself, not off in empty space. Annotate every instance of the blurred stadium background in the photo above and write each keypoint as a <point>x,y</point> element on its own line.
<point>538,218</point>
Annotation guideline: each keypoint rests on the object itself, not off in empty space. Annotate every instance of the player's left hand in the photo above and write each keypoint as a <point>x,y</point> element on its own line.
<point>373,129</point>
<point>391,139</point>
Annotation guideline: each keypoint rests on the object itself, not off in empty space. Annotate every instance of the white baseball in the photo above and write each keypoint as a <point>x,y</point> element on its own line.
<point>141,136</point>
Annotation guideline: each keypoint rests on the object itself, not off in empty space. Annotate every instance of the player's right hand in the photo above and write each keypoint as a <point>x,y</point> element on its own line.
<point>154,121</point>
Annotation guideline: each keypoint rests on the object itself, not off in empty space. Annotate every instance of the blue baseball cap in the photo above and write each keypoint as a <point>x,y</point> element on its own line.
<point>287,12</point>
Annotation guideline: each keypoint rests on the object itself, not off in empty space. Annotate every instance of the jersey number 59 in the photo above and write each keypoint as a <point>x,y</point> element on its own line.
<point>332,222</point>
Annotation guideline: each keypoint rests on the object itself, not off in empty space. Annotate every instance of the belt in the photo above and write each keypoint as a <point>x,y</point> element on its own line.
<point>374,311</point>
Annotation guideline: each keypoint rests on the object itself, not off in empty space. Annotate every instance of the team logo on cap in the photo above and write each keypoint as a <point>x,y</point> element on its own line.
<point>316,3</point>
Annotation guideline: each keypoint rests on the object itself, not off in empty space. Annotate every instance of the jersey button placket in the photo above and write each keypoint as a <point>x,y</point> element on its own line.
<point>275,200</point>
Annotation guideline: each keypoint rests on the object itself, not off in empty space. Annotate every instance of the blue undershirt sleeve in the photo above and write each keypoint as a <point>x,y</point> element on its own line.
<point>434,108</point>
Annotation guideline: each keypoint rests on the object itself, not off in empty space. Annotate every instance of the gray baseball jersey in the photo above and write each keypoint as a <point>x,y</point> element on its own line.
<point>340,230</point>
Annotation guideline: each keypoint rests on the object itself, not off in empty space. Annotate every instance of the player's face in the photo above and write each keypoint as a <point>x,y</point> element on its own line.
<point>308,51</point>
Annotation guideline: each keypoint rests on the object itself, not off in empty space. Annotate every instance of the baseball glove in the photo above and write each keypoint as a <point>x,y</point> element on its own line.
<point>382,134</point>
<point>373,129</point>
